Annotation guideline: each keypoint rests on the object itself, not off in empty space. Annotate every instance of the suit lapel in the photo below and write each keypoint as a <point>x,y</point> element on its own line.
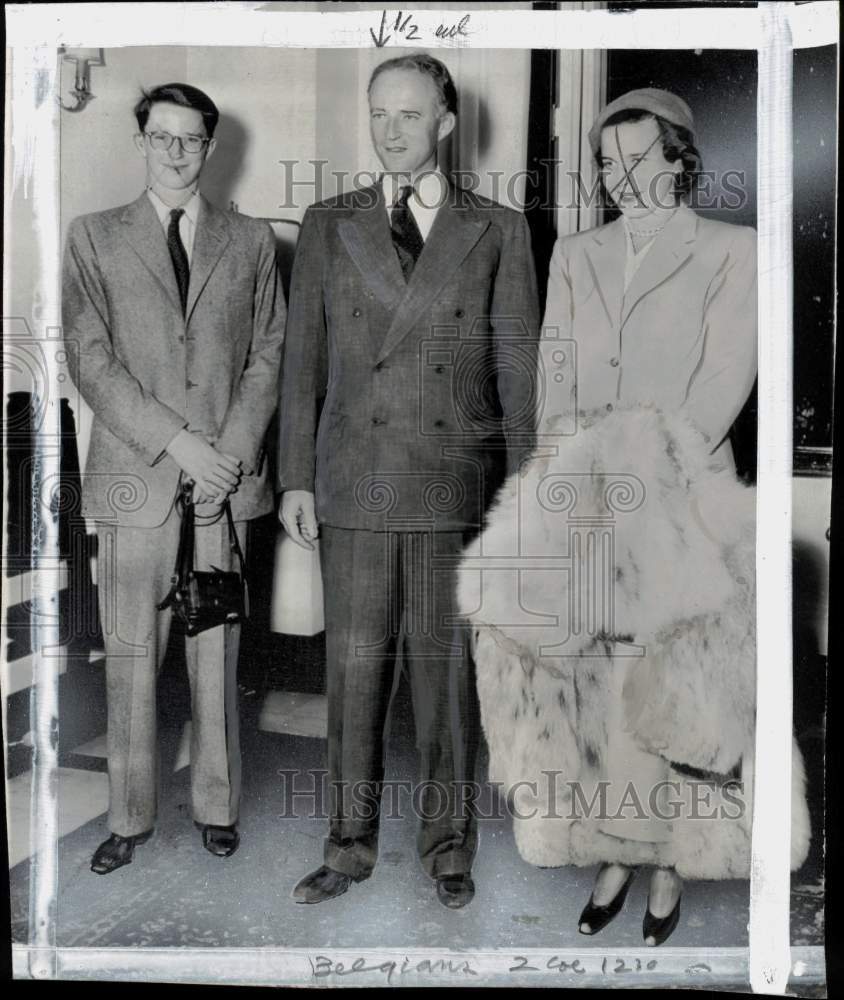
<point>605,259</point>
<point>145,233</point>
<point>670,250</point>
<point>211,238</point>
<point>454,232</point>
<point>366,236</point>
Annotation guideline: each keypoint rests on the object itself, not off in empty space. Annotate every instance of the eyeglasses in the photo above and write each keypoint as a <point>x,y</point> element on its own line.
<point>163,141</point>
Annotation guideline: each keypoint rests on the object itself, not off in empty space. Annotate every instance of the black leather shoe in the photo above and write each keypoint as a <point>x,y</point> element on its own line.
<point>596,918</point>
<point>221,841</point>
<point>455,891</point>
<point>324,883</point>
<point>655,930</point>
<point>116,852</point>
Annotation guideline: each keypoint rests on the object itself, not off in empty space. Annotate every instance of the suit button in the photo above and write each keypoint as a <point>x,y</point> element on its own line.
<point>439,423</point>
<point>377,421</point>
<point>609,407</point>
<point>181,339</point>
<point>614,362</point>
<point>379,367</point>
<point>439,369</point>
<point>191,385</point>
<point>459,313</point>
<point>356,313</point>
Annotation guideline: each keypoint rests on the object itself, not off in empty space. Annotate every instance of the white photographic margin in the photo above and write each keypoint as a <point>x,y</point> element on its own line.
<point>34,33</point>
<point>246,24</point>
<point>34,114</point>
<point>769,930</point>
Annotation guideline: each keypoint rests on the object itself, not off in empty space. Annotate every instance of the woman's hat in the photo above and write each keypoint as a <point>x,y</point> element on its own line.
<point>658,102</point>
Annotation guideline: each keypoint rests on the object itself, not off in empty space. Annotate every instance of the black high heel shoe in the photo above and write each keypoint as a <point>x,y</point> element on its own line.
<point>597,917</point>
<point>655,930</point>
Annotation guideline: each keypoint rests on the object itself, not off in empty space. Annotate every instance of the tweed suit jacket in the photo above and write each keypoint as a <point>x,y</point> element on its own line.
<point>147,371</point>
<point>682,337</point>
<point>428,384</point>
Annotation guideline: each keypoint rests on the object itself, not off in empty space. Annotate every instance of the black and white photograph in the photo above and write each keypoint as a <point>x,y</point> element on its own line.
<point>418,464</point>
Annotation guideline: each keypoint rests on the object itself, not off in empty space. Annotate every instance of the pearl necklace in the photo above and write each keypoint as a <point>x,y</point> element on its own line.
<point>640,233</point>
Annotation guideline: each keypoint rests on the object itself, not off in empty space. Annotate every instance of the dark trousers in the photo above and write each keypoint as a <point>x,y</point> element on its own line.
<point>388,593</point>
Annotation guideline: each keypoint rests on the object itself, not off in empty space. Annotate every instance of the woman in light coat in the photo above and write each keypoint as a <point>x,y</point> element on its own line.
<point>647,701</point>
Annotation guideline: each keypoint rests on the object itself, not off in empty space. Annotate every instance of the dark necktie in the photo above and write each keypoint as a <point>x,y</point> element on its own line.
<point>178,255</point>
<point>406,236</point>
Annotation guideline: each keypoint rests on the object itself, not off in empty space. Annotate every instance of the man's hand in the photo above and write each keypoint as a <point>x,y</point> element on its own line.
<point>298,515</point>
<point>207,506</point>
<point>215,473</point>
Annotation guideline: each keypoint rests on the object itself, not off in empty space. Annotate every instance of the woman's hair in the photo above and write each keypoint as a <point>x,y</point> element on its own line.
<point>423,63</point>
<point>182,94</point>
<point>678,143</point>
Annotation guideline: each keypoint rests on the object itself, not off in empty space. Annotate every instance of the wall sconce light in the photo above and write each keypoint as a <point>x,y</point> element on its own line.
<point>84,59</point>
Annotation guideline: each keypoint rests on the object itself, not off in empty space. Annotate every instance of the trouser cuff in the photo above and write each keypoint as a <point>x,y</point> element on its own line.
<point>215,817</point>
<point>348,862</point>
<point>453,863</point>
<point>131,827</point>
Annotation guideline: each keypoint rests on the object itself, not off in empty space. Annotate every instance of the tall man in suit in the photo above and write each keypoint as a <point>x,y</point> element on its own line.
<point>414,315</point>
<point>174,315</point>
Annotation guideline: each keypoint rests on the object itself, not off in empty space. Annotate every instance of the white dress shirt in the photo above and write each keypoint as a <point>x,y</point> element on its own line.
<point>187,222</point>
<point>430,190</point>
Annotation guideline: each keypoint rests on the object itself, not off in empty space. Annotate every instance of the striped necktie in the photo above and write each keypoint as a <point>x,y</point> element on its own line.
<point>406,236</point>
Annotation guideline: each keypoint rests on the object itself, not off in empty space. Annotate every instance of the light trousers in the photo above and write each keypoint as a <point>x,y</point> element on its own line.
<point>134,569</point>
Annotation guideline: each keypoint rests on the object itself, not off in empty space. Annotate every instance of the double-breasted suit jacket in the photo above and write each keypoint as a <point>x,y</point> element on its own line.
<point>148,371</point>
<point>424,382</point>
<point>428,388</point>
<point>683,335</point>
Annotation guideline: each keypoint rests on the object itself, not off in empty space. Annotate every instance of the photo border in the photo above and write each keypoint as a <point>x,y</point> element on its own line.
<point>35,31</point>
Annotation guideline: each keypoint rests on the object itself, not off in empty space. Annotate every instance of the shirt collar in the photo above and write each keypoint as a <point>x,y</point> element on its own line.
<point>429,188</point>
<point>191,207</point>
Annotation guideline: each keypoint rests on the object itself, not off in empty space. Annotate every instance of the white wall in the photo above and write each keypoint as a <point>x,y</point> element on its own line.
<point>267,103</point>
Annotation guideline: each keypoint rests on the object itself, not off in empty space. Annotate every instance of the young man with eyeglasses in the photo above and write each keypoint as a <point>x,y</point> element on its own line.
<point>174,317</point>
